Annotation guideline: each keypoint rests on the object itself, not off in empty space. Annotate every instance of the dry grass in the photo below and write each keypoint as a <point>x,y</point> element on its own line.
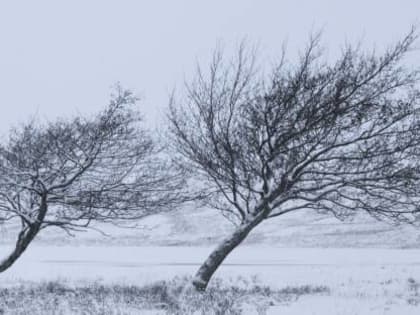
<point>173,297</point>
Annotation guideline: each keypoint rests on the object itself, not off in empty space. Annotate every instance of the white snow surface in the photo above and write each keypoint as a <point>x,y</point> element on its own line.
<point>362,281</point>
<point>369,266</point>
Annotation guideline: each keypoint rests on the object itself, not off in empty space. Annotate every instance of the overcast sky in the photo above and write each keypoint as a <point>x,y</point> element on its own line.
<point>62,57</point>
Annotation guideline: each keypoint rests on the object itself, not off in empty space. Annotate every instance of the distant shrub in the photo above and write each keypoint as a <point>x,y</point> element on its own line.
<point>414,292</point>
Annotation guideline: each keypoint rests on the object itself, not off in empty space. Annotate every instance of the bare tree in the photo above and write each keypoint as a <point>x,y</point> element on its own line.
<point>339,137</point>
<point>72,172</point>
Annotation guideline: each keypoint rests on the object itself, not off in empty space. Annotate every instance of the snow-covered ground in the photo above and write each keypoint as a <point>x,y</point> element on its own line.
<point>362,281</point>
<point>370,267</point>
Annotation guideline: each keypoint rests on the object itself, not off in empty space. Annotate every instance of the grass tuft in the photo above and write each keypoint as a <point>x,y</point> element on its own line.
<point>175,297</point>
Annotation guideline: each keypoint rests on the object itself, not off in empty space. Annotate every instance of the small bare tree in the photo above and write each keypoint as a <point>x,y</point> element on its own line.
<point>69,173</point>
<point>338,137</point>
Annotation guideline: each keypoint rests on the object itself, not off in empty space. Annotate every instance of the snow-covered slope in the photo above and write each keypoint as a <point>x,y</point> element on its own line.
<point>205,227</point>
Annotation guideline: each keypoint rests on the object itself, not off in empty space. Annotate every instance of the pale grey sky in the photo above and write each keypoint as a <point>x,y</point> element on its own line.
<point>62,57</point>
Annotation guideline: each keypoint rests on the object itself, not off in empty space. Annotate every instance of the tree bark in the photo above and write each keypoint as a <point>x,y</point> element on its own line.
<point>209,267</point>
<point>26,236</point>
<point>24,239</point>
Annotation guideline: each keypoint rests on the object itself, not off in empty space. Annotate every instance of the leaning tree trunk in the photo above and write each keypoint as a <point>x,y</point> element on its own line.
<point>24,239</point>
<point>26,236</point>
<point>206,271</point>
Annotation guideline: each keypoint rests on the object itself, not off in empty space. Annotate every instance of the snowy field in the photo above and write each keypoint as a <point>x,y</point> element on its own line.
<point>368,267</point>
<point>361,281</point>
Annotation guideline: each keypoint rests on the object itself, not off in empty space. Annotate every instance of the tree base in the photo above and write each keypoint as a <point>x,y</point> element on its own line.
<point>199,284</point>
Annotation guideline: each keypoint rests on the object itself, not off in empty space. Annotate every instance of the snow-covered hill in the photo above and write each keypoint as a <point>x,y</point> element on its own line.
<point>206,227</point>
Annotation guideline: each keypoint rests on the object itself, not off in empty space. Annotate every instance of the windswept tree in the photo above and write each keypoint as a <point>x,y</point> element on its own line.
<point>339,137</point>
<point>72,172</point>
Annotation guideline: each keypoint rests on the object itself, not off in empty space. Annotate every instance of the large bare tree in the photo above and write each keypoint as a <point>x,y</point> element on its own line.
<point>71,172</point>
<point>336,136</point>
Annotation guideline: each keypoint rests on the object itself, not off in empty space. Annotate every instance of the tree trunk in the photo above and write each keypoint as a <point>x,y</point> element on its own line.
<point>24,239</point>
<point>206,271</point>
<point>26,236</point>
